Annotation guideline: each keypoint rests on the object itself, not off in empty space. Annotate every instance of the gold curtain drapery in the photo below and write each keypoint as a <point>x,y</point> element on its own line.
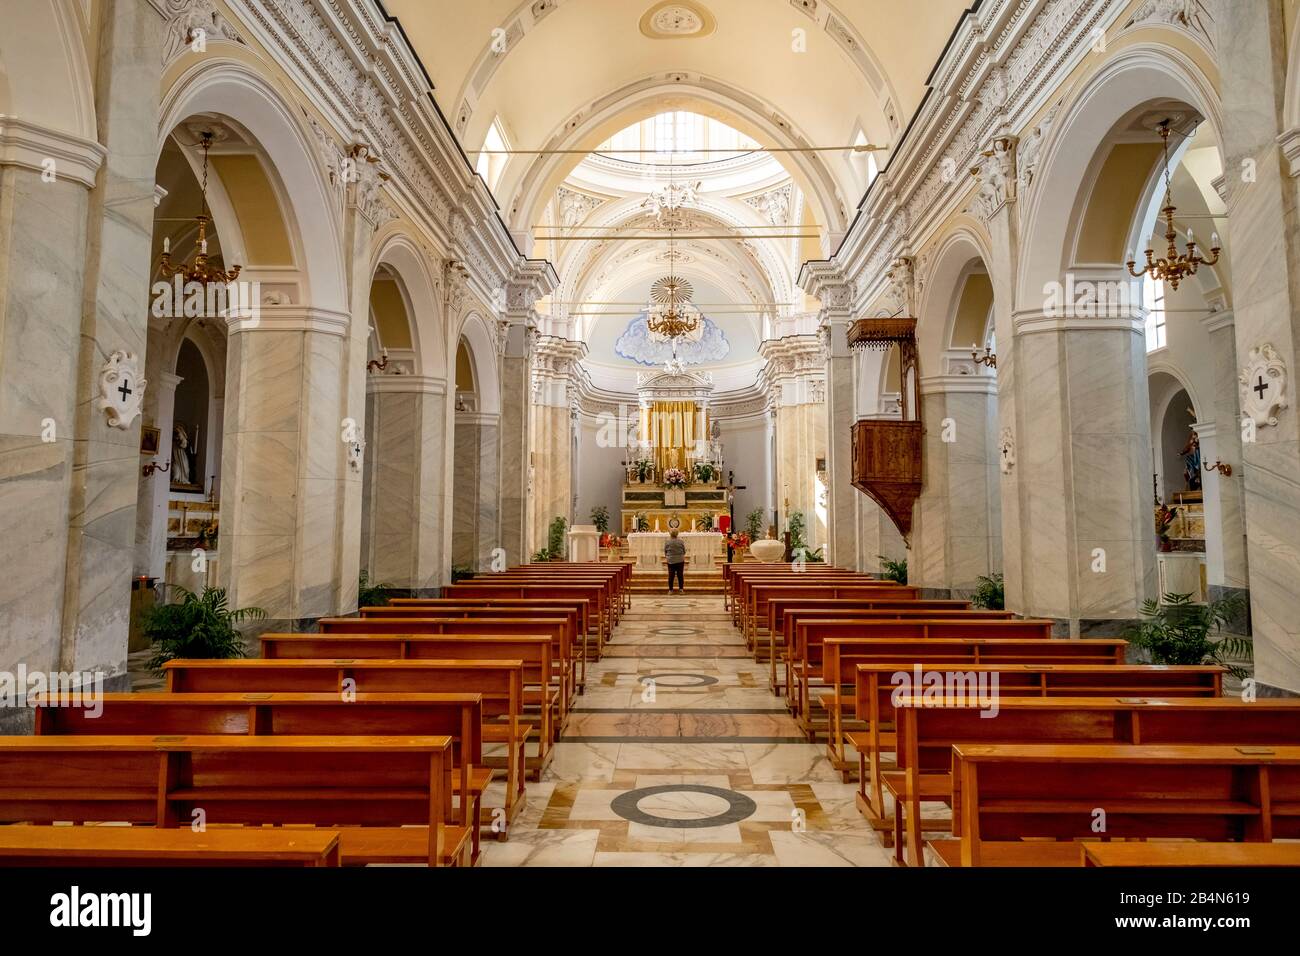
<point>673,428</point>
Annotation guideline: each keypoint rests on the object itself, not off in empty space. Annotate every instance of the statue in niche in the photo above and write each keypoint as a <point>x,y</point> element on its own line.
<point>182,470</point>
<point>1192,462</point>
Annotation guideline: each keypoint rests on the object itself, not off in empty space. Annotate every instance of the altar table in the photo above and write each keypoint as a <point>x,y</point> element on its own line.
<point>701,547</point>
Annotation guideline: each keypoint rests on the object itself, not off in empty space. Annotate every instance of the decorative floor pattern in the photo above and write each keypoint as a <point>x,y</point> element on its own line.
<point>678,755</point>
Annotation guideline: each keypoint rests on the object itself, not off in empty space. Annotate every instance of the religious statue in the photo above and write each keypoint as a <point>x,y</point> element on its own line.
<point>182,472</point>
<point>1192,462</point>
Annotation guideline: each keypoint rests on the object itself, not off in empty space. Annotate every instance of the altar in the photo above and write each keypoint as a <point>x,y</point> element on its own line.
<point>701,548</point>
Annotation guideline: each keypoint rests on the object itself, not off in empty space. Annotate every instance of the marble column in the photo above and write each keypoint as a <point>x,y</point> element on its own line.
<point>796,383</point>
<point>1226,551</point>
<point>1074,436</point>
<point>1079,452</point>
<point>554,373</point>
<point>515,425</point>
<point>286,460</point>
<point>405,493</point>
<point>154,495</point>
<point>101,518</point>
<point>840,416</point>
<point>1264,241</point>
<point>957,523</point>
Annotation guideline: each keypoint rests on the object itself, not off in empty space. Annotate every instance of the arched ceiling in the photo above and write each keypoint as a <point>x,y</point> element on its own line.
<point>822,69</point>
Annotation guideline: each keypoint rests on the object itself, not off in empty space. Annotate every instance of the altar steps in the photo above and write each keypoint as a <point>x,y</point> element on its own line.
<point>656,582</point>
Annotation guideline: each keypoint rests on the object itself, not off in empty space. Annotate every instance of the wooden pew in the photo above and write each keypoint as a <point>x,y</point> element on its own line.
<point>736,579</point>
<point>147,846</point>
<point>554,629</point>
<point>595,593</point>
<point>458,716</point>
<point>534,652</point>
<point>388,797</point>
<point>876,690</point>
<point>758,594</point>
<point>609,577</point>
<point>804,660</point>
<point>500,685</point>
<point>1191,854</point>
<point>480,607</point>
<point>785,614</point>
<point>741,581</point>
<point>1011,792</point>
<point>927,731</point>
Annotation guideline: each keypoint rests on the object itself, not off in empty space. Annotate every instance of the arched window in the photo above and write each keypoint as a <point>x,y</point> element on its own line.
<point>1153,299</point>
<point>490,165</point>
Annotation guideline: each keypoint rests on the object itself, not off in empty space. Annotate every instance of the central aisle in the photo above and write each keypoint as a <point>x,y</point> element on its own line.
<point>679,755</point>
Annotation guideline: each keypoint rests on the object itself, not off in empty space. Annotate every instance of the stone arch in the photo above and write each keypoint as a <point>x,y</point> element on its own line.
<point>642,99</point>
<point>1054,209</point>
<point>409,263</point>
<point>956,257</point>
<point>46,69</point>
<point>474,329</point>
<point>230,89</point>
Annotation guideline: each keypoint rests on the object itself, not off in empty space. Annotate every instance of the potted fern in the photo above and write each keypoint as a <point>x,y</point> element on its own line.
<point>1177,631</point>
<point>199,626</point>
<point>990,593</point>
<point>371,595</point>
<point>893,570</point>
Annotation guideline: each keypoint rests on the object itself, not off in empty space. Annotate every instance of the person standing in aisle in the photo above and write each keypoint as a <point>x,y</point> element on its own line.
<point>675,556</point>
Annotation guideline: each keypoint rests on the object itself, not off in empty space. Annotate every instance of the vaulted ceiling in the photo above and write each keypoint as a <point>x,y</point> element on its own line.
<point>568,73</point>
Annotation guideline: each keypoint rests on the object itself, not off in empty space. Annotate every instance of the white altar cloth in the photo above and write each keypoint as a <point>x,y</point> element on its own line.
<point>701,548</point>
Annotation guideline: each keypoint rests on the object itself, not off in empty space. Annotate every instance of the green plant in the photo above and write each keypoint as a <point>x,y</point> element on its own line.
<point>754,524</point>
<point>555,538</point>
<point>796,526</point>
<point>989,592</point>
<point>600,518</point>
<point>705,472</point>
<point>643,468</point>
<point>543,555</point>
<point>198,626</point>
<point>1178,632</point>
<point>808,557</point>
<point>642,522</point>
<point>893,570</point>
<point>371,595</point>
<point>459,572</point>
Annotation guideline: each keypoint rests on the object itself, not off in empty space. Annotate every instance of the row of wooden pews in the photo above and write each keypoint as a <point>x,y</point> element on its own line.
<point>372,741</point>
<point>1045,751</point>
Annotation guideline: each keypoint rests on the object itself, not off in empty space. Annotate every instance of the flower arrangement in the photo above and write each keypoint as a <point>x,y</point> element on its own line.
<point>643,468</point>
<point>705,472</point>
<point>675,478</point>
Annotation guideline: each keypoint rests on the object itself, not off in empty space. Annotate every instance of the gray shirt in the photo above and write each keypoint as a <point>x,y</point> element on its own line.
<point>675,551</point>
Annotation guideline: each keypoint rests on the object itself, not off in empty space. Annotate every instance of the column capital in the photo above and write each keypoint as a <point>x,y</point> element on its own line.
<point>1223,319</point>
<point>34,147</point>
<point>405,385</point>
<point>825,279</point>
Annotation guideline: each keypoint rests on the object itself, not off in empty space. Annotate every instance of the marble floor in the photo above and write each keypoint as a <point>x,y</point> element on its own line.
<point>679,755</point>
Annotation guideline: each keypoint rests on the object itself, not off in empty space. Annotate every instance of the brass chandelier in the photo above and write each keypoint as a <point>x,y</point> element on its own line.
<point>199,269</point>
<point>1175,266</point>
<point>671,315</point>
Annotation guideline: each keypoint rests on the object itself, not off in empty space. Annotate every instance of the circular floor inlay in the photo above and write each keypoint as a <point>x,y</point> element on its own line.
<point>683,812</point>
<point>700,680</point>
<point>676,630</point>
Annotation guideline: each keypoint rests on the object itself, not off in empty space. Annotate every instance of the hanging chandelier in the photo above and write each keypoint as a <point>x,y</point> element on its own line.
<point>1174,266</point>
<point>671,315</point>
<point>199,270</point>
